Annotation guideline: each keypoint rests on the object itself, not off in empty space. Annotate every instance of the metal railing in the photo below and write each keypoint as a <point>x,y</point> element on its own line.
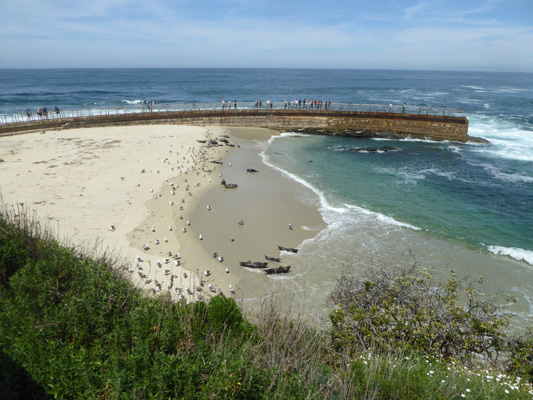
<point>230,107</point>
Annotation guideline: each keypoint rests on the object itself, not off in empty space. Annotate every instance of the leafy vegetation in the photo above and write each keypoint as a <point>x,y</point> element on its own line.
<point>72,326</point>
<point>408,307</point>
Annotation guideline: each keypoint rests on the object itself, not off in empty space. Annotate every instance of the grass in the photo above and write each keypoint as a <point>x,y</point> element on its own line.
<point>73,327</point>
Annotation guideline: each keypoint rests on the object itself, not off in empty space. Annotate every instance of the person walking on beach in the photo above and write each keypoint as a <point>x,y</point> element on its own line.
<point>390,107</point>
<point>235,104</point>
<point>28,113</point>
<point>40,112</point>
<point>57,111</point>
<point>403,108</point>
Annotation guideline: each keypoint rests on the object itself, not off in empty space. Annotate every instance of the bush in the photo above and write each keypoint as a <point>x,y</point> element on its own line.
<point>520,361</point>
<point>407,307</point>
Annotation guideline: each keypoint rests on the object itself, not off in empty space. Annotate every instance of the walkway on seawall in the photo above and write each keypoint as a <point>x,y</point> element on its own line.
<point>358,120</point>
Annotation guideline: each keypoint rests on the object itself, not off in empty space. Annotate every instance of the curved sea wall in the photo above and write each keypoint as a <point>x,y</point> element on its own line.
<point>329,122</point>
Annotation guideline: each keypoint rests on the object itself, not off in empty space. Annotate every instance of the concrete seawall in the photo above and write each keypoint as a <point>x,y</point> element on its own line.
<point>329,122</point>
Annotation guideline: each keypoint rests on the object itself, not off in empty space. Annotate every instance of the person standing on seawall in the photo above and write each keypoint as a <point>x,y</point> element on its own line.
<point>235,104</point>
<point>403,108</point>
<point>28,113</point>
<point>390,107</point>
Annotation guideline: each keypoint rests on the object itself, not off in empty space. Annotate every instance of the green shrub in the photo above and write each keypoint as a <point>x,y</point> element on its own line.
<point>386,309</point>
<point>520,361</point>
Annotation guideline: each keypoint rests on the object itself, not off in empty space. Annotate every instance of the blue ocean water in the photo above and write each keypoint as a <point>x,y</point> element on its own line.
<point>470,205</point>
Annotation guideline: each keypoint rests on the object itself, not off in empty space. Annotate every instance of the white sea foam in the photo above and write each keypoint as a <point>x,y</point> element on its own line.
<point>507,177</point>
<point>454,149</point>
<point>383,218</point>
<point>508,141</point>
<point>510,90</point>
<point>287,134</point>
<point>513,252</point>
<point>473,87</point>
<point>132,101</point>
<point>408,176</point>
<point>435,171</point>
<point>266,159</point>
<point>415,139</point>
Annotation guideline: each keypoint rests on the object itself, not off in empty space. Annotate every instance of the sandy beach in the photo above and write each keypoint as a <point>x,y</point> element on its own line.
<point>121,189</point>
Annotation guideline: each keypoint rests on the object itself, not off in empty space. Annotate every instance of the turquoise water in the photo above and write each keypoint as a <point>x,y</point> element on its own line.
<point>440,205</point>
<point>447,190</point>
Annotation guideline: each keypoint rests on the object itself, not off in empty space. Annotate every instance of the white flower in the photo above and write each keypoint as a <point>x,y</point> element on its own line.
<point>506,391</point>
<point>468,390</point>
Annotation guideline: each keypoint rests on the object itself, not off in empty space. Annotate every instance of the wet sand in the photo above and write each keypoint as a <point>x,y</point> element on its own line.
<point>266,203</point>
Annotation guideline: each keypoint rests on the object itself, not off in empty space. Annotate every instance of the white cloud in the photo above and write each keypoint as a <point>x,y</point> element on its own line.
<point>158,33</point>
<point>411,11</point>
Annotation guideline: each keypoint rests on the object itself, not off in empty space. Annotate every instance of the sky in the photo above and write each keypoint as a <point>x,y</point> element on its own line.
<point>456,35</point>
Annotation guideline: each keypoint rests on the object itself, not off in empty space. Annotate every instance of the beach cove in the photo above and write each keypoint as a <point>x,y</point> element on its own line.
<point>115,190</point>
<point>150,183</point>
